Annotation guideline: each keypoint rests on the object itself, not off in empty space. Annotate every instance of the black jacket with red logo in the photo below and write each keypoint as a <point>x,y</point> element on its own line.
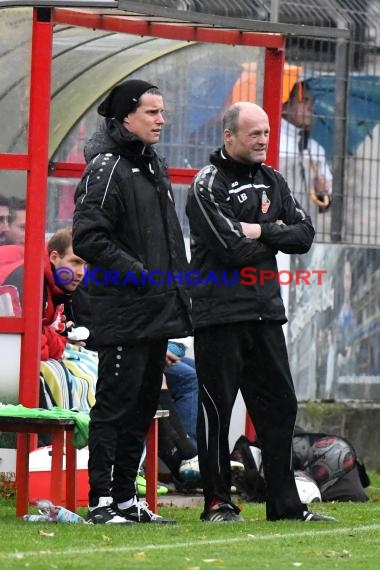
<point>234,280</point>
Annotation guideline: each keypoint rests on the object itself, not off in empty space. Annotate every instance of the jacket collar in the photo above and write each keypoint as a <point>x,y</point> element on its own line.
<point>222,159</point>
<point>49,281</point>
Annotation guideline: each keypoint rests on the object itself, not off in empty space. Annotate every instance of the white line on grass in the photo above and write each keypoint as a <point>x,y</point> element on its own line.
<point>190,543</point>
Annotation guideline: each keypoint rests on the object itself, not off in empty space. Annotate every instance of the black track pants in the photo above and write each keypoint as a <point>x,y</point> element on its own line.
<point>251,356</point>
<point>127,394</point>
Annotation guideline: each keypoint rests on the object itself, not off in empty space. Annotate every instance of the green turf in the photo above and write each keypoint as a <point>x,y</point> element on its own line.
<point>352,543</point>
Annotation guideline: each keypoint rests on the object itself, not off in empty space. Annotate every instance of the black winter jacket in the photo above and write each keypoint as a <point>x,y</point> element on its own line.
<point>232,286</point>
<point>125,226</point>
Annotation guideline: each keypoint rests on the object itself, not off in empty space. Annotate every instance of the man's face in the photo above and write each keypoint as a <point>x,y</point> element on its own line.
<point>71,269</point>
<point>300,113</point>
<point>249,145</point>
<point>146,121</point>
<point>16,233</point>
<point>4,227</point>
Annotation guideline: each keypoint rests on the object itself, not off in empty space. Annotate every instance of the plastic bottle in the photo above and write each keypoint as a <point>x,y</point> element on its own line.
<point>57,513</point>
<point>66,516</point>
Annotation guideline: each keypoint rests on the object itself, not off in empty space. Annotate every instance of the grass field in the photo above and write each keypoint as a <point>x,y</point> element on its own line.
<point>352,543</point>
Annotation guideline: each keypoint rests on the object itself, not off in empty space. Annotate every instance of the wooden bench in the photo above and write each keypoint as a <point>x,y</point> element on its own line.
<point>61,431</point>
<point>58,428</point>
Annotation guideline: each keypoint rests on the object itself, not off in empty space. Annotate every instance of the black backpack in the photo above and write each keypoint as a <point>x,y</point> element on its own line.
<point>250,483</point>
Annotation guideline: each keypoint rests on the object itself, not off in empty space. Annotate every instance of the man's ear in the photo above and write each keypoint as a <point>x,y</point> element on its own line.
<point>227,136</point>
<point>53,256</point>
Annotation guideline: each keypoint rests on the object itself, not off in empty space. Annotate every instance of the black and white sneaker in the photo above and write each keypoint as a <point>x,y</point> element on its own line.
<point>139,512</point>
<point>309,516</point>
<point>222,512</point>
<point>104,513</point>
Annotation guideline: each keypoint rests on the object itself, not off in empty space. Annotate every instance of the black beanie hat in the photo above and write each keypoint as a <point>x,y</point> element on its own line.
<point>123,98</point>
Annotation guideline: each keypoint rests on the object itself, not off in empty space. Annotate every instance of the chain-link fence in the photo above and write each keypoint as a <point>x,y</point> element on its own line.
<point>344,80</point>
<point>338,150</point>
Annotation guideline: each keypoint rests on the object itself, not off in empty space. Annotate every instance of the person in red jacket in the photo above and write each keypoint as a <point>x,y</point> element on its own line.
<point>11,258</point>
<point>62,274</point>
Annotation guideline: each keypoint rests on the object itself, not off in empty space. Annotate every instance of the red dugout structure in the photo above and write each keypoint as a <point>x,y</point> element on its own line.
<point>36,161</point>
<point>131,18</point>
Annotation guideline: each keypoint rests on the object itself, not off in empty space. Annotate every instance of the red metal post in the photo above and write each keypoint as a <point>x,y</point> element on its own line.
<point>151,465</point>
<point>39,114</point>
<point>272,99</point>
<point>71,473</point>
<point>272,103</point>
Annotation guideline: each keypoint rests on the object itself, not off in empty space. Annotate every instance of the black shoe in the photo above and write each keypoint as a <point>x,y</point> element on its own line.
<point>309,516</point>
<point>104,513</point>
<point>222,512</point>
<point>140,513</point>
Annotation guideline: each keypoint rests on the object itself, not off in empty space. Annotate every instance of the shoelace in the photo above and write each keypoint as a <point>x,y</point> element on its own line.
<point>144,507</point>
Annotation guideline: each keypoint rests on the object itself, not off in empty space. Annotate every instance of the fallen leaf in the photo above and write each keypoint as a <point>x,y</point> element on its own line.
<point>44,533</point>
<point>335,554</point>
<point>139,555</point>
<point>106,538</point>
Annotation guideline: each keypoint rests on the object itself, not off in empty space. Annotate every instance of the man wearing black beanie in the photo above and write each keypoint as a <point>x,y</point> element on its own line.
<point>126,228</point>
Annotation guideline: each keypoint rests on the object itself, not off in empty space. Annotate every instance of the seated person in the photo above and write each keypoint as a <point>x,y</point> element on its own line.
<point>12,236</point>
<point>62,274</point>
<point>16,221</point>
<point>12,266</point>
<point>182,381</point>
<point>71,383</point>
<point>176,449</point>
<point>63,271</point>
<point>68,372</point>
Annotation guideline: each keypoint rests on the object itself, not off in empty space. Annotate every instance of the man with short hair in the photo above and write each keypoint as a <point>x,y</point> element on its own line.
<point>125,225</point>
<point>63,272</point>
<point>17,214</point>
<point>241,213</point>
